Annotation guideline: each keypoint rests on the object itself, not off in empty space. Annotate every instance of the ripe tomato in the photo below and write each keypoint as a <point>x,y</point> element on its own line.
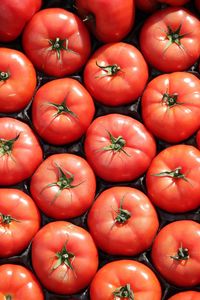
<point>57,42</point>
<point>112,72</point>
<point>125,279</point>
<point>17,80</point>
<point>171,106</point>
<point>173,179</point>
<point>123,221</point>
<point>174,2</point>
<point>118,147</point>
<point>170,39</point>
<point>63,186</point>
<point>68,257</point>
<point>147,6</point>
<point>62,111</point>
<point>14,14</point>
<point>175,253</point>
<point>19,221</point>
<point>198,139</point>
<point>188,295</point>
<point>20,151</point>
<point>18,283</point>
<point>110,21</point>
<point>197,4</point>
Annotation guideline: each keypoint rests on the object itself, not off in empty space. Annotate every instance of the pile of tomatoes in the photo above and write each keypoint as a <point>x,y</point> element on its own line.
<point>99,150</point>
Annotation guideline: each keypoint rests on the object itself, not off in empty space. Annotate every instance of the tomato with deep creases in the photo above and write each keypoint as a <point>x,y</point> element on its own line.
<point>188,295</point>
<point>116,74</point>
<point>20,151</point>
<point>57,42</point>
<point>64,257</point>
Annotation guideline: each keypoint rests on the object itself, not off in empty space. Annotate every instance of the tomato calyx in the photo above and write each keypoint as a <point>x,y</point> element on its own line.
<point>60,44</point>
<point>4,76</point>
<point>62,108</point>
<point>124,292</point>
<point>174,37</point>
<point>89,17</point>
<point>173,174</point>
<point>7,219</point>
<point>122,214</point>
<point>170,100</point>
<point>182,254</point>
<point>8,297</point>
<point>109,69</point>
<point>6,146</point>
<point>116,145</point>
<point>64,257</point>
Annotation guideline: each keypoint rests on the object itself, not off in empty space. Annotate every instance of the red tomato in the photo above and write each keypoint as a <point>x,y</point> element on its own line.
<point>174,2</point>
<point>173,179</point>
<point>198,139</point>
<point>189,295</point>
<point>20,151</point>
<point>57,42</point>
<point>146,5</point>
<point>14,14</point>
<point>63,186</point>
<point>17,80</point>
<point>18,283</point>
<point>170,39</point>
<point>62,111</point>
<point>118,147</point>
<point>197,3</point>
<point>123,221</point>
<point>68,257</point>
<point>125,279</point>
<point>110,21</point>
<point>171,106</point>
<point>175,253</point>
<point>19,221</point>
<point>112,72</point>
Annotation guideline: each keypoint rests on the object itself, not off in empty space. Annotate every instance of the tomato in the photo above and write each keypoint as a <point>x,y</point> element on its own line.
<point>198,139</point>
<point>170,39</point>
<point>112,72</point>
<point>62,111</point>
<point>17,80</point>
<point>123,221</point>
<point>19,221</point>
<point>14,14</point>
<point>197,4</point>
<point>20,151</point>
<point>68,257</point>
<point>171,106</point>
<point>173,179</point>
<point>188,295</point>
<point>175,253</point>
<point>63,186</point>
<point>147,6</point>
<point>18,283</point>
<point>125,279</point>
<point>109,21</point>
<point>174,2</point>
<point>57,42</point>
<point>118,147</point>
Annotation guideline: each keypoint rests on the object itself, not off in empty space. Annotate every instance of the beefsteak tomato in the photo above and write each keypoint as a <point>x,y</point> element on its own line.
<point>188,295</point>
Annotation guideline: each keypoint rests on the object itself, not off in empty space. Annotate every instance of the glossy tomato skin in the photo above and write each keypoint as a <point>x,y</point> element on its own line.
<point>155,41</point>
<point>122,236</point>
<point>116,89</point>
<point>70,116</point>
<point>175,193</point>
<point>198,139</point>
<point>19,221</point>
<point>147,6</point>
<point>20,151</point>
<point>49,241</point>
<point>19,283</point>
<point>171,106</point>
<point>143,282</point>
<point>126,158</point>
<point>185,235</point>
<point>188,295</point>
<point>59,197</point>
<point>174,2</point>
<point>39,42</point>
<point>14,15</point>
<point>17,90</point>
<point>111,21</point>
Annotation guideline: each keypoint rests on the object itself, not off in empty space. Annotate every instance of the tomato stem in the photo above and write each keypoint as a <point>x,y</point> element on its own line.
<point>170,100</point>
<point>174,37</point>
<point>64,257</point>
<point>7,145</point>
<point>116,145</point>
<point>4,75</point>
<point>124,292</point>
<point>109,69</point>
<point>122,214</point>
<point>62,108</point>
<point>174,174</point>
<point>182,254</point>
<point>60,44</point>
<point>7,219</point>
<point>8,297</point>
<point>88,18</point>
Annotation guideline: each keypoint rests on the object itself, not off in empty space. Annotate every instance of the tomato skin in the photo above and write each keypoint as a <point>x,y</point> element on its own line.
<point>48,242</point>
<point>66,127</point>
<point>198,139</point>
<point>116,89</point>
<point>25,155</point>
<point>175,195</point>
<point>147,6</point>
<point>68,202</point>
<point>16,235</point>
<point>154,42</point>
<point>174,2</point>
<point>113,20</point>
<point>14,15</point>
<point>197,4</point>
<point>41,30</point>
<point>185,234</point>
<point>18,89</point>
<point>117,238</point>
<point>172,122</point>
<point>143,282</point>
<point>188,295</point>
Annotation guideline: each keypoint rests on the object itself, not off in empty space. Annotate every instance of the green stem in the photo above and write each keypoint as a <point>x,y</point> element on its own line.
<point>182,254</point>
<point>58,45</point>
<point>7,219</point>
<point>173,174</point>
<point>62,108</point>
<point>64,257</point>
<point>7,145</point>
<point>8,297</point>
<point>122,214</point>
<point>116,145</point>
<point>109,69</point>
<point>170,100</point>
<point>174,36</point>
<point>124,292</point>
<point>4,75</point>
